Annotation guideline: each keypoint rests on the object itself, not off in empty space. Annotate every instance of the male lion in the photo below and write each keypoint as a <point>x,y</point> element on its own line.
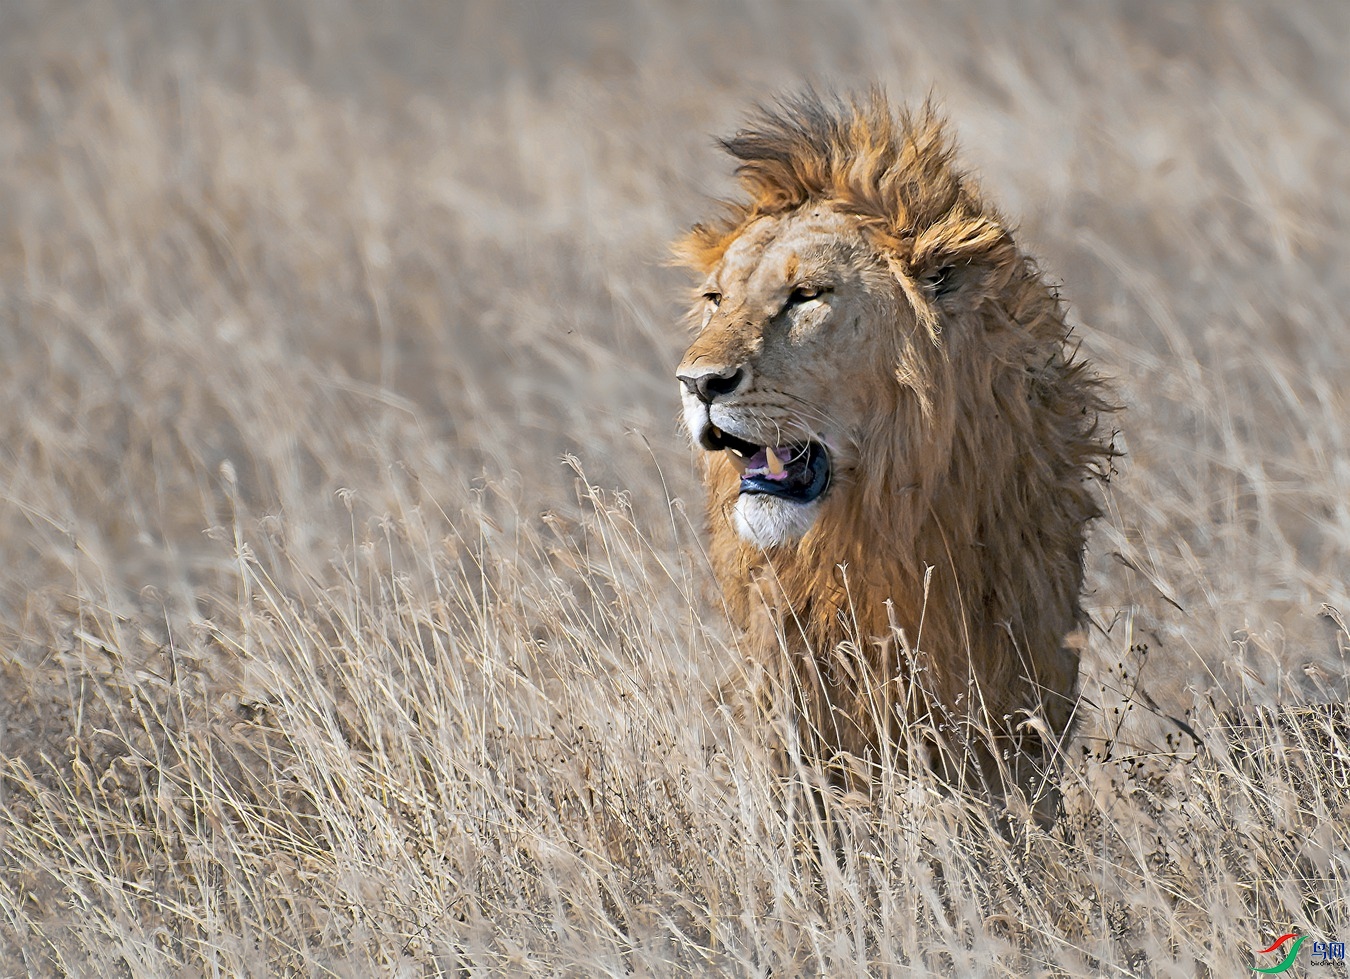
<point>900,446</point>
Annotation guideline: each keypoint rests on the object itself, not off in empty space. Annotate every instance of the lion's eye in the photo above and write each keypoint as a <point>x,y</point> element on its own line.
<point>713,297</point>
<point>804,294</point>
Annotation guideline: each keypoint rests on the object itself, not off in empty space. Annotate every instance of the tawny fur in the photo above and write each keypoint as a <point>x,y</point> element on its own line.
<point>960,531</point>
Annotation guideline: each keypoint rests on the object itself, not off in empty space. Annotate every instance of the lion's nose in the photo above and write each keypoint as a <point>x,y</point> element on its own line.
<point>712,383</point>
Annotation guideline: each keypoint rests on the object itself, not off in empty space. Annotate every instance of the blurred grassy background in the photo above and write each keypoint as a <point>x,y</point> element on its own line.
<point>302,307</point>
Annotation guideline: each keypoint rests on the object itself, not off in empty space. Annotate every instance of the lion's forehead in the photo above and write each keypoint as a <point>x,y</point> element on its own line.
<point>778,249</point>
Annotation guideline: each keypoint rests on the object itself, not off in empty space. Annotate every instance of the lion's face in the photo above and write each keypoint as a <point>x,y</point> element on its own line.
<point>796,348</point>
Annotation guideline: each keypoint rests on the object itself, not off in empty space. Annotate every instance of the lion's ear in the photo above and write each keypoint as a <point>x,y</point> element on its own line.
<point>961,258</point>
<point>942,281</point>
<point>953,282</point>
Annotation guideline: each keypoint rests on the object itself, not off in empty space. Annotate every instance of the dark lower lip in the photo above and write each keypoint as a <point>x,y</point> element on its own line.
<point>813,481</point>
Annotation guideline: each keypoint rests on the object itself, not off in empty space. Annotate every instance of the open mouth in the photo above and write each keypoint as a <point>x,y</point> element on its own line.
<point>796,471</point>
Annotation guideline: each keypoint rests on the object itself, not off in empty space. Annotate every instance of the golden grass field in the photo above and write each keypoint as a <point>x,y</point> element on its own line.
<point>353,615</point>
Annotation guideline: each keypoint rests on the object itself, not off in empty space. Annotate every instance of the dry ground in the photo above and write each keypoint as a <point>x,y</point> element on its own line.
<point>352,615</point>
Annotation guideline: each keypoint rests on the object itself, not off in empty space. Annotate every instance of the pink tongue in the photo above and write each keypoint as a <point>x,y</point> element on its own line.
<point>758,464</point>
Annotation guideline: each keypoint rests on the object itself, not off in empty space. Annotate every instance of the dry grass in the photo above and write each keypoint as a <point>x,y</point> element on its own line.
<point>319,654</point>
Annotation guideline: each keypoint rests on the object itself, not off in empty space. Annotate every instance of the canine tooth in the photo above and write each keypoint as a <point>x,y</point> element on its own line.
<point>736,452</point>
<point>775,463</point>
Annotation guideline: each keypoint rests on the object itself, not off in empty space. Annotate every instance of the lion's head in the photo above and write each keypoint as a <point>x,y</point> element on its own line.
<point>783,377</point>
<point>898,439</point>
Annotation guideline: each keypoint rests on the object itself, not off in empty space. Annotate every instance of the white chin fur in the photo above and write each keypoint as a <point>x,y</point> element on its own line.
<point>768,521</point>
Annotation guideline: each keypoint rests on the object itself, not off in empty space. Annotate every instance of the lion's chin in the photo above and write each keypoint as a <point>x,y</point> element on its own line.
<point>770,521</point>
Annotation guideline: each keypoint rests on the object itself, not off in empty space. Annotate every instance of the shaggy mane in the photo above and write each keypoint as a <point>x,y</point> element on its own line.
<point>893,170</point>
<point>960,536</point>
